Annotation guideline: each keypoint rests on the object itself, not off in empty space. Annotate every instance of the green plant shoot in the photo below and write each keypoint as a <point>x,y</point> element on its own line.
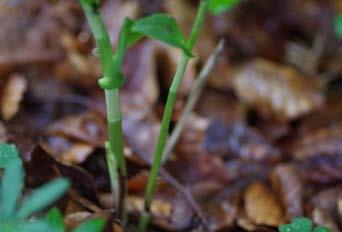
<point>217,7</point>
<point>302,225</point>
<point>15,214</point>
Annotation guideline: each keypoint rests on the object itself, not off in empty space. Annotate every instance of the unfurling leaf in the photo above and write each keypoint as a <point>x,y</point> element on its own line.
<point>163,28</point>
<point>43,197</point>
<point>217,7</point>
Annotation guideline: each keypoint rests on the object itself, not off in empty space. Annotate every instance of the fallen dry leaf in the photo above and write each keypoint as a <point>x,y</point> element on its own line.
<point>12,95</point>
<point>261,206</point>
<point>277,90</point>
<point>287,184</point>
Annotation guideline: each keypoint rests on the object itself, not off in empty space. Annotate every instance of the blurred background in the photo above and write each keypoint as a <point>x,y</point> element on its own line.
<point>263,145</point>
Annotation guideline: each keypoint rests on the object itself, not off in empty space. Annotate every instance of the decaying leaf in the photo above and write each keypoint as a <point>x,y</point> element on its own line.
<point>288,185</point>
<point>261,206</point>
<point>12,95</point>
<point>238,140</point>
<point>277,90</point>
<point>322,141</point>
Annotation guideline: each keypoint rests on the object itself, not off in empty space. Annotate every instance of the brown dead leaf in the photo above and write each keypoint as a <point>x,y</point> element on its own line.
<point>88,127</point>
<point>261,206</point>
<point>289,187</point>
<point>322,141</point>
<point>12,95</point>
<point>239,140</point>
<point>277,90</point>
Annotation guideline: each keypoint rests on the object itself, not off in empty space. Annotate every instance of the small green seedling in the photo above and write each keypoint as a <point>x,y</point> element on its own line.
<point>338,25</point>
<point>161,27</point>
<point>302,225</point>
<point>217,7</point>
<point>54,220</point>
<point>15,213</point>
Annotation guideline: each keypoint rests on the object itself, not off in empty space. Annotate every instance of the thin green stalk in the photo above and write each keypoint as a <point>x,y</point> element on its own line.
<point>170,102</point>
<point>110,82</point>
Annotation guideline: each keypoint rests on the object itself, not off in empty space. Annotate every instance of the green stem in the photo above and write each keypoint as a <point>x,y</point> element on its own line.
<point>170,102</point>
<point>110,82</point>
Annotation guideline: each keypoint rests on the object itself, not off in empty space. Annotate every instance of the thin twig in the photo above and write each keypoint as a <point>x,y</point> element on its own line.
<point>193,98</point>
<point>187,195</point>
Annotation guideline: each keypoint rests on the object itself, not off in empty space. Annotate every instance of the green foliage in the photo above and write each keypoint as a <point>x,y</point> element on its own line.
<point>217,7</point>
<point>164,28</point>
<point>92,225</point>
<point>54,219</point>
<point>43,197</point>
<point>14,214</point>
<point>55,222</point>
<point>338,25</point>
<point>302,225</point>
<point>8,152</point>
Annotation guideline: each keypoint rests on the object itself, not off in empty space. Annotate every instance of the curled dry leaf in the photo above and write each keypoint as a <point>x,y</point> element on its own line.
<point>12,95</point>
<point>289,187</point>
<point>277,90</point>
<point>261,206</point>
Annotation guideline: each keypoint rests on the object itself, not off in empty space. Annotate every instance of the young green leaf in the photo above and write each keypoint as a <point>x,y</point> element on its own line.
<point>163,28</point>
<point>302,224</point>
<point>92,225</point>
<point>217,7</point>
<point>43,197</point>
<point>338,25</point>
<point>321,229</point>
<point>35,226</point>
<point>7,153</point>
<point>54,219</point>
<point>11,186</point>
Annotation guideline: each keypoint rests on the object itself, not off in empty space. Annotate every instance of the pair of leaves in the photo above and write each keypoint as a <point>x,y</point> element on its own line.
<point>12,213</point>
<point>302,225</point>
<point>54,220</point>
<point>217,7</point>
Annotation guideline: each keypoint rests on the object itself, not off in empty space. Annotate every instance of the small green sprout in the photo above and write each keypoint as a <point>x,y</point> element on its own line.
<point>302,225</point>
<point>54,220</point>
<point>15,213</point>
<point>217,7</point>
<point>161,27</point>
<point>338,25</point>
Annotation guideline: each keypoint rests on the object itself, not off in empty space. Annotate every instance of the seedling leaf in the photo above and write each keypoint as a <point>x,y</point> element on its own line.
<point>43,197</point>
<point>36,226</point>
<point>92,225</point>
<point>217,7</point>
<point>7,153</point>
<point>164,28</point>
<point>12,184</point>
<point>54,219</point>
